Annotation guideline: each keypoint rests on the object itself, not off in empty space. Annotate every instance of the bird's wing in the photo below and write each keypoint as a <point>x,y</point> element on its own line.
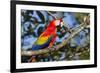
<point>41,43</point>
<point>43,39</point>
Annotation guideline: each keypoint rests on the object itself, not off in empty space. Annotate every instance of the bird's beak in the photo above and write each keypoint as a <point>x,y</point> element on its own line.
<point>62,23</point>
<point>62,30</point>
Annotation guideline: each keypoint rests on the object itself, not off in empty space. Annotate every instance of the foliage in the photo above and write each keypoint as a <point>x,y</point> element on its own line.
<point>33,23</point>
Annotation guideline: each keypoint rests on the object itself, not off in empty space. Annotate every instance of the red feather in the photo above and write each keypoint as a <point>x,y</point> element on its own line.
<point>51,30</point>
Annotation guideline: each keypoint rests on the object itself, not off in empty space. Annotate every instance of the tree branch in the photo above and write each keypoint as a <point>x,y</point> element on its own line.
<point>57,47</point>
<point>52,15</point>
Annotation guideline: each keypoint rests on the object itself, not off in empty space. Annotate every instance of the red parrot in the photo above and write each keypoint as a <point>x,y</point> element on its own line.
<point>48,37</point>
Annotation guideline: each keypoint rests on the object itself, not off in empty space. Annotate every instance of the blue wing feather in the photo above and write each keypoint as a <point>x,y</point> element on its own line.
<point>38,47</point>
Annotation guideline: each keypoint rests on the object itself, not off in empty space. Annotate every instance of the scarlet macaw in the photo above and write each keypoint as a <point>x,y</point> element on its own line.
<point>48,37</point>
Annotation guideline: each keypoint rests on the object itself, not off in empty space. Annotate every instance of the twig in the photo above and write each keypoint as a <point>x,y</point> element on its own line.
<point>57,47</point>
<point>64,42</point>
<point>51,15</point>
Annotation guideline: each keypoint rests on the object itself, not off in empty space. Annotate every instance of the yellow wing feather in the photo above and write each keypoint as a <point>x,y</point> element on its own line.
<point>42,39</point>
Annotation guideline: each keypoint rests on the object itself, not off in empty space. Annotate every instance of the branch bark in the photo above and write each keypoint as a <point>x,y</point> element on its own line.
<point>57,47</point>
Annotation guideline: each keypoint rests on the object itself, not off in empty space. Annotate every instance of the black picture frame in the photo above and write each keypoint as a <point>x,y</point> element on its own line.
<point>13,36</point>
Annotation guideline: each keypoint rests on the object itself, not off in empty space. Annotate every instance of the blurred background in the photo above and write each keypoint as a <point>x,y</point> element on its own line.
<point>33,23</point>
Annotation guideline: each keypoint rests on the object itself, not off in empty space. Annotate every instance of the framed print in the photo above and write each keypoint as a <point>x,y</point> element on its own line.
<point>52,36</point>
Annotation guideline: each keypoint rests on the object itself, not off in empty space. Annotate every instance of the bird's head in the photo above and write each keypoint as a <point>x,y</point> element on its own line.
<point>59,23</point>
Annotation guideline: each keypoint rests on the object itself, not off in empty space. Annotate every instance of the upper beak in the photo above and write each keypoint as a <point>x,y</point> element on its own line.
<point>62,23</point>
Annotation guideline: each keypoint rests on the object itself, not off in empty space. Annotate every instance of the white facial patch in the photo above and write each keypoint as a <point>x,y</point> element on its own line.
<point>57,22</point>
